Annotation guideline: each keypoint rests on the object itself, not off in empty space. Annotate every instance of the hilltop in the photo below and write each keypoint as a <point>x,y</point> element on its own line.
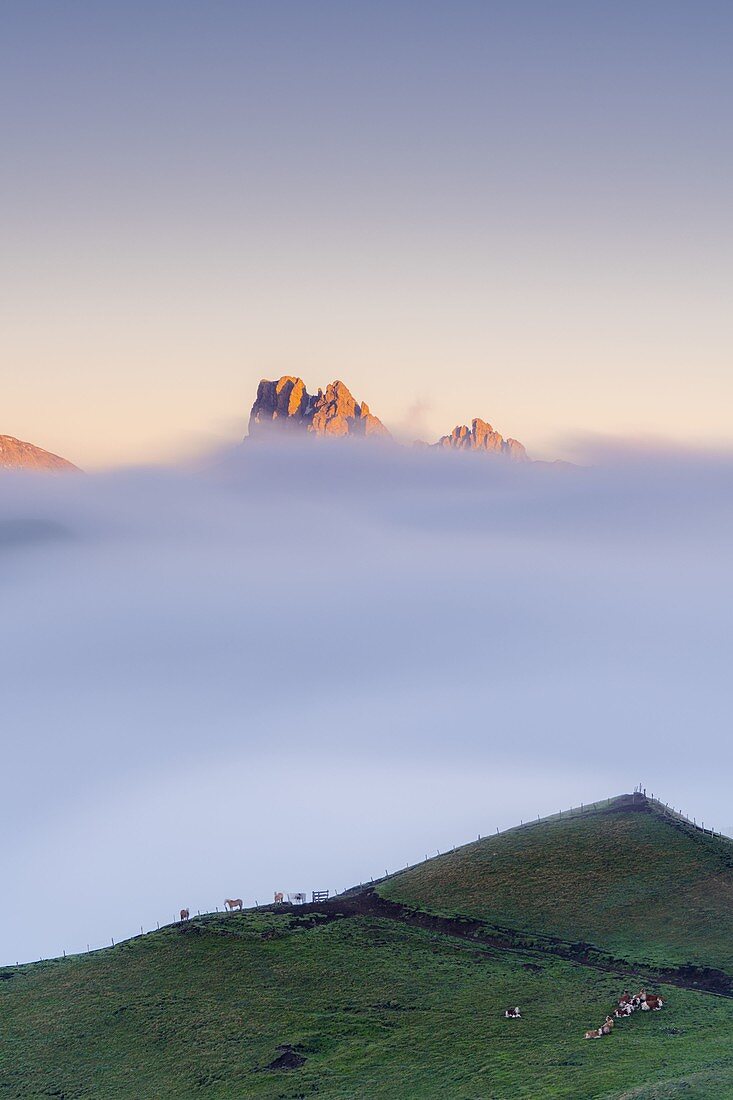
<point>17,455</point>
<point>393,991</point>
<point>629,876</point>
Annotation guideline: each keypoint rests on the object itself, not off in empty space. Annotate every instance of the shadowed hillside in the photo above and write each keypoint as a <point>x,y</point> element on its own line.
<point>626,875</point>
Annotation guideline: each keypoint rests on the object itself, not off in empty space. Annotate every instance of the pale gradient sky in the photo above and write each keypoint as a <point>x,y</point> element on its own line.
<point>518,210</point>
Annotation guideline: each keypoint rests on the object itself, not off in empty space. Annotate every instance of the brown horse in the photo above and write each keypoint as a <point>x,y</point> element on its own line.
<point>233,903</point>
<point>184,914</point>
<point>278,897</point>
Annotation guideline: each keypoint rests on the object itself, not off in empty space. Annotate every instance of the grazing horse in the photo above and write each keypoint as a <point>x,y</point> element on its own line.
<point>184,914</point>
<point>233,903</point>
<point>278,897</point>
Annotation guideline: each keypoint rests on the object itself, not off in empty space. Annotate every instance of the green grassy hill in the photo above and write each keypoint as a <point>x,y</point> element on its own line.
<point>364,997</point>
<point>627,876</point>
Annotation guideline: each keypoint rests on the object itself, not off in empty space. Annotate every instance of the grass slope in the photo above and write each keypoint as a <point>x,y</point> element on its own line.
<point>401,1001</point>
<point>625,876</point>
<point>376,1008</point>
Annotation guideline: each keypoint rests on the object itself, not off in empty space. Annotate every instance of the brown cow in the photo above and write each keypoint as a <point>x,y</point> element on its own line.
<point>232,903</point>
<point>184,914</point>
<point>598,1032</point>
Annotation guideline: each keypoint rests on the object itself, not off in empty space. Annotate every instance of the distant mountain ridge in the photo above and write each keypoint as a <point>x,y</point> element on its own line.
<point>15,454</point>
<point>285,403</point>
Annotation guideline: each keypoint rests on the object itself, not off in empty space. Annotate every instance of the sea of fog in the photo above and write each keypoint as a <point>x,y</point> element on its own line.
<point>296,668</point>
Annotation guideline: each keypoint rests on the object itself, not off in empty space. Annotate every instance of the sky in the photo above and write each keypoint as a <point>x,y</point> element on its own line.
<point>518,211</point>
<point>295,669</point>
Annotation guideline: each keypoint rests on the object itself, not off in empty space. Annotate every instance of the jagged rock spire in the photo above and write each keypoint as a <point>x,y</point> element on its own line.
<point>287,404</point>
<point>482,437</point>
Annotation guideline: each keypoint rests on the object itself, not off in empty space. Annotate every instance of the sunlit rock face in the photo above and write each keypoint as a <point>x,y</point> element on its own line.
<point>482,437</point>
<point>17,455</point>
<point>286,403</point>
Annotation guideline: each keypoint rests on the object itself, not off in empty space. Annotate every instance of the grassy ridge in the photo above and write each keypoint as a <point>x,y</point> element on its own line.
<point>639,884</point>
<point>377,1009</point>
<point>367,999</point>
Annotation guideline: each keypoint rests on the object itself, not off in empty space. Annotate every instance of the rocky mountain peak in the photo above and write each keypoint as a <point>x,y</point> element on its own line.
<point>482,437</point>
<point>286,403</point>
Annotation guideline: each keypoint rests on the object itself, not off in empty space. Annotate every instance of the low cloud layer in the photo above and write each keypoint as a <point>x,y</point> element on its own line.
<point>296,668</point>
